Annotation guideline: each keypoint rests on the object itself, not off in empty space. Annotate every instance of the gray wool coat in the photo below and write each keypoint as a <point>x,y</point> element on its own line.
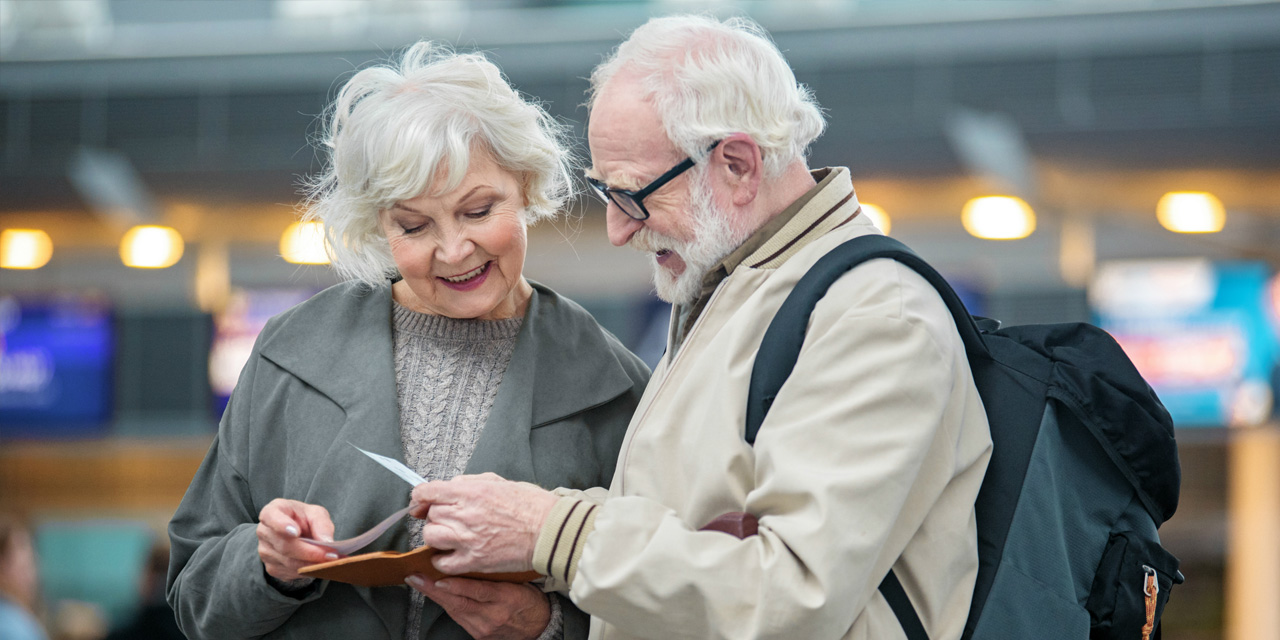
<point>320,377</point>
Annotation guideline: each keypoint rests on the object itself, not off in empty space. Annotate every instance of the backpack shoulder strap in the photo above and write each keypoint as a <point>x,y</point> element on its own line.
<point>785,335</point>
<point>781,348</point>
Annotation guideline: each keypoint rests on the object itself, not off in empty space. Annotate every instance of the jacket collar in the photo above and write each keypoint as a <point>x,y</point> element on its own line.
<point>340,343</point>
<point>827,205</point>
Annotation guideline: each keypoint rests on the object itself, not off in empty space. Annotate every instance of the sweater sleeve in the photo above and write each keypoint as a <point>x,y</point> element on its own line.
<point>217,585</point>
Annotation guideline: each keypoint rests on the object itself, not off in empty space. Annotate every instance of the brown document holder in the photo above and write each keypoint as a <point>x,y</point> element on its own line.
<point>390,568</point>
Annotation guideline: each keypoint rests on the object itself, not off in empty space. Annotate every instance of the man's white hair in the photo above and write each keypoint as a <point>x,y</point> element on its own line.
<point>397,129</point>
<point>709,79</point>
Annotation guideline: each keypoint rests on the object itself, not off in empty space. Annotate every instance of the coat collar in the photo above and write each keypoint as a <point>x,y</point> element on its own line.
<point>339,343</point>
<point>829,204</point>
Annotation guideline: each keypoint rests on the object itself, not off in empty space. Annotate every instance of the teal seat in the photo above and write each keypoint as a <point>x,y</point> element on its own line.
<point>94,561</point>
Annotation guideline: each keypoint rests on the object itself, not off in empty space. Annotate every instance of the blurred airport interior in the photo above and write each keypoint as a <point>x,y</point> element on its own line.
<point>152,151</point>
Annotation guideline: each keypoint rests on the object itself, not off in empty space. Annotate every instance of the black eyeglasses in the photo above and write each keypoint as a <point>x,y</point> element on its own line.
<point>632,202</point>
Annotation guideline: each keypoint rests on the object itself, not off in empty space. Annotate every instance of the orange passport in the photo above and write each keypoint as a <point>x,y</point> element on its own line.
<point>390,568</point>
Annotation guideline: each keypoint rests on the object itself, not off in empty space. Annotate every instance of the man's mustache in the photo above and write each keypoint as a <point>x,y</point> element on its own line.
<point>649,241</point>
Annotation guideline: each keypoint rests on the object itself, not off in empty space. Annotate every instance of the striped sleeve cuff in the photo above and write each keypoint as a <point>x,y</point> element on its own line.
<point>563,535</point>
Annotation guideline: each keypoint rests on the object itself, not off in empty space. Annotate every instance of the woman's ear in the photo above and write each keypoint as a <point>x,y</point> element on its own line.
<point>743,167</point>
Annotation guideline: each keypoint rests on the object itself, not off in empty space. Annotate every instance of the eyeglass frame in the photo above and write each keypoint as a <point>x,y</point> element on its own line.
<point>638,195</point>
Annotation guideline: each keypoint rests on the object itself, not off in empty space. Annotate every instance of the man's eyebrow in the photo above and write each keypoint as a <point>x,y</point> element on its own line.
<point>619,181</point>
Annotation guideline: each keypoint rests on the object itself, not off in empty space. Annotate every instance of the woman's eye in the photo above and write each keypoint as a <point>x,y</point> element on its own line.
<point>478,214</point>
<point>413,230</point>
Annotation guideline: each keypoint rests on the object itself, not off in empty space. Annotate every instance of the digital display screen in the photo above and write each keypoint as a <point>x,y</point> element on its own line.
<point>56,357</point>
<point>236,329</point>
<point>1201,333</point>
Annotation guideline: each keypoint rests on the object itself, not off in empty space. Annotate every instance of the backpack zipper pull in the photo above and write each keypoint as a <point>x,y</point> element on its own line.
<point>1151,589</point>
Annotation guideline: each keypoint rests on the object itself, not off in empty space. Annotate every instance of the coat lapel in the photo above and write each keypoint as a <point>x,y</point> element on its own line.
<point>563,364</point>
<point>343,349</point>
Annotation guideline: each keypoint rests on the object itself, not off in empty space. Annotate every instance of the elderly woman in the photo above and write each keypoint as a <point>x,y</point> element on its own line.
<point>437,352</point>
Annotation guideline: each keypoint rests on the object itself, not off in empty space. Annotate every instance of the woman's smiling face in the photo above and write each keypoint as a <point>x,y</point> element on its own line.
<point>461,253</point>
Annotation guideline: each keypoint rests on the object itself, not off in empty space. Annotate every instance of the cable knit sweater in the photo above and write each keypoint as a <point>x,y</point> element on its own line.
<point>447,376</point>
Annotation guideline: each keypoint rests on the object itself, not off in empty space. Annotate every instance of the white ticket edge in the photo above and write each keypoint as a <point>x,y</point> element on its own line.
<point>395,466</point>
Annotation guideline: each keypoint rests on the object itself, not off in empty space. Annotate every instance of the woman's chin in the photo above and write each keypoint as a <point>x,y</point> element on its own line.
<point>482,307</point>
<point>485,302</point>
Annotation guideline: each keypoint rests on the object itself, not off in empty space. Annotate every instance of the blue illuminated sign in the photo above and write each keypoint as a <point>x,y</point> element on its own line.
<point>1203,334</point>
<point>55,367</point>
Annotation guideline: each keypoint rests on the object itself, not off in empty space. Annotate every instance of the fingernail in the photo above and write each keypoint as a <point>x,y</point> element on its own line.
<point>291,530</point>
<point>441,584</point>
<point>330,556</point>
<point>414,581</point>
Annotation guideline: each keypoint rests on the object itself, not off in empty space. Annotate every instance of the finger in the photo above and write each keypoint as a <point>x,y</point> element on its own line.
<point>291,550</point>
<point>277,565</point>
<point>282,522</point>
<point>317,522</point>
<point>418,509</point>
<point>431,589</point>
<point>435,492</point>
<point>477,590</point>
<point>281,563</point>
<point>281,516</point>
<point>440,536</point>
<point>272,545</point>
<point>452,563</point>
<point>444,513</point>
<point>304,553</point>
<point>421,499</point>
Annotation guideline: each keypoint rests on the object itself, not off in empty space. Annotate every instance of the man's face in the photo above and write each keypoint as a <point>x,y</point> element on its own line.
<point>686,234</point>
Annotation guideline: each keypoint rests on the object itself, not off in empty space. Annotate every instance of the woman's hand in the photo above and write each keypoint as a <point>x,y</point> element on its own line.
<point>489,610</point>
<point>280,525</point>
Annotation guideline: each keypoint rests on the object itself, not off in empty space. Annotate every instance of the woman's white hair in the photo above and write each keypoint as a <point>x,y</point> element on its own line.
<point>709,79</point>
<point>396,130</point>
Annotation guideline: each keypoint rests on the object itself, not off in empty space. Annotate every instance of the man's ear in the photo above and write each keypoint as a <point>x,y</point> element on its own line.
<point>742,167</point>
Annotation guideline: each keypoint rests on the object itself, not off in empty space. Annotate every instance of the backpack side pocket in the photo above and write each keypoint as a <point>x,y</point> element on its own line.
<point>1117,600</point>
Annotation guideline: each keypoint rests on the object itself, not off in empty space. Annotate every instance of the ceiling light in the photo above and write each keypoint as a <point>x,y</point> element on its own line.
<point>24,248</point>
<point>878,217</point>
<point>303,243</point>
<point>151,247</point>
<point>1191,212</point>
<point>998,218</point>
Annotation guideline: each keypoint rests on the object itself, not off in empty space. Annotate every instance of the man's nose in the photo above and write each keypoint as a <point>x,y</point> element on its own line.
<point>621,226</point>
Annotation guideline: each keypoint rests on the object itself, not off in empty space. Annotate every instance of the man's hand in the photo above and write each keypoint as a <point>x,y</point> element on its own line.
<point>280,524</point>
<point>489,610</point>
<point>488,524</point>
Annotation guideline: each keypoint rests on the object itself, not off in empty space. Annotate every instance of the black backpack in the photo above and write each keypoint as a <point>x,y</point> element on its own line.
<point>1084,467</point>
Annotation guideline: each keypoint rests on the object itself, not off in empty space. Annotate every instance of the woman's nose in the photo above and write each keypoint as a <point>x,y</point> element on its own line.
<point>456,248</point>
<point>620,225</point>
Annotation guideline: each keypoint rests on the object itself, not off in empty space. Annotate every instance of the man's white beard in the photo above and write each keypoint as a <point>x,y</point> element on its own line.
<point>713,239</point>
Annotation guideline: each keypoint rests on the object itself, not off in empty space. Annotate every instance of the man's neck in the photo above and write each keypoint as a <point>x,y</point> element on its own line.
<point>778,193</point>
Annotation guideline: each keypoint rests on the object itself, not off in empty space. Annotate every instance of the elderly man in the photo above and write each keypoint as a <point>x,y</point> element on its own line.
<point>872,454</point>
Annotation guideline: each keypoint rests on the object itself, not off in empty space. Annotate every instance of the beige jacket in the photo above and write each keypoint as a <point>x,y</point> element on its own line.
<point>870,458</point>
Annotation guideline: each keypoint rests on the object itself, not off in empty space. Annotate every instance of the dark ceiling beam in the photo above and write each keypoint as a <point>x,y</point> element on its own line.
<point>549,43</point>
